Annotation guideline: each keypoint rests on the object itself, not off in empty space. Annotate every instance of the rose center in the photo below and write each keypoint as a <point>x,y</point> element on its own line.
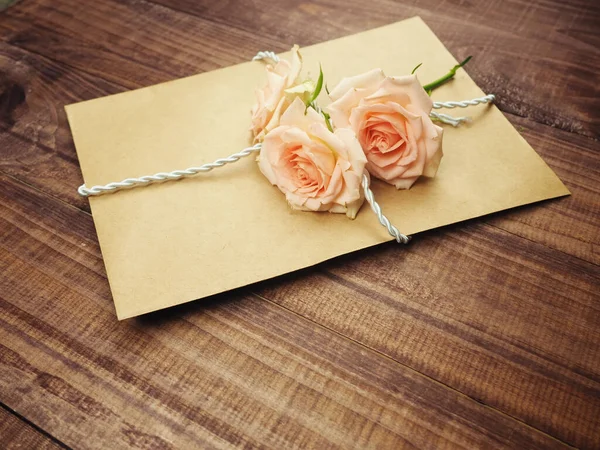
<point>383,141</point>
<point>303,172</point>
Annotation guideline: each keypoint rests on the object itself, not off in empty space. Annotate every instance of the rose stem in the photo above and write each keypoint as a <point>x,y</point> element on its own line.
<point>437,83</point>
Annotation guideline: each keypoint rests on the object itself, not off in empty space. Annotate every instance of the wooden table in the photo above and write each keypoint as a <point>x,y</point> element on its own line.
<point>481,335</point>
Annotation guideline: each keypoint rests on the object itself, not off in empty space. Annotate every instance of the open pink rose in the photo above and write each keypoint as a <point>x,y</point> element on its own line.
<point>271,100</point>
<point>390,116</point>
<point>316,169</point>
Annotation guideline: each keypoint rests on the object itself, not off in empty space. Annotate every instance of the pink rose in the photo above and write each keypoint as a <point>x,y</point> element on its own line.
<point>271,99</point>
<point>316,169</point>
<point>390,116</point>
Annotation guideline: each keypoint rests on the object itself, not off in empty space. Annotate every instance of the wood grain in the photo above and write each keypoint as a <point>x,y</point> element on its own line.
<point>481,335</point>
<point>570,224</point>
<point>514,327</point>
<point>234,371</point>
<point>36,143</point>
<point>160,44</point>
<point>16,434</point>
<point>548,47</point>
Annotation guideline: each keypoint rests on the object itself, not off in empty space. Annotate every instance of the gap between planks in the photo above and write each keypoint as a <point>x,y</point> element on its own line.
<point>29,423</point>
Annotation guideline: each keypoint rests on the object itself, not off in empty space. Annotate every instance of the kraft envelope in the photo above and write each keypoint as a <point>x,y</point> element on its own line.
<point>175,242</point>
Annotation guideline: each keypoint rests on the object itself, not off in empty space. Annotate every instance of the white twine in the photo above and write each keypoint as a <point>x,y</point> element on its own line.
<point>266,55</point>
<point>456,121</point>
<point>450,120</point>
<point>383,220</point>
<point>129,183</point>
<point>465,103</point>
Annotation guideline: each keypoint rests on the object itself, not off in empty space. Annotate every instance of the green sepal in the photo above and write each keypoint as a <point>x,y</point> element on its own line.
<point>327,120</point>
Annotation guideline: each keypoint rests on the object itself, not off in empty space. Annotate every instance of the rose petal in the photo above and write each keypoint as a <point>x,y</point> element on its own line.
<point>270,104</point>
<point>384,160</point>
<point>434,153</point>
<point>368,80</point>
<point>404,183</point>
<point>296,66</point>
<point>355,153</point>
<point>294,115</point>
<point>335,186</point>
<point>397,89</point>
<point>269,151</point>
<point>348,94</point>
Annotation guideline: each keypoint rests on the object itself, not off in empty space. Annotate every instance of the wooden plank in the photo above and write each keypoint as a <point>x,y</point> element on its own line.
<point>569,224</point>
<point>504,320</point>
<point>233,371</point>
<point>522,50</point>
<point>15,433</point>
<point>160,44</point>
<point>35,137</point>
<point>547,48</point>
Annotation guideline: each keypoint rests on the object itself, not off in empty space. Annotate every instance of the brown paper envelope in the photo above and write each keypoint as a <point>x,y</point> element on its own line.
<point>175,242</point>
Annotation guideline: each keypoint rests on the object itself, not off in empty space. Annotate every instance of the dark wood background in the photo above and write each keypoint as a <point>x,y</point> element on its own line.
<point>481,335</point>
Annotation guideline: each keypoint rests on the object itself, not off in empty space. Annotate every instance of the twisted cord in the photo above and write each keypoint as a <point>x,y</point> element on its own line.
<point>445,118</point>
<point>394,232</point>
<point>465,103</point>
<point>165,176</point>
<point>266,55</point>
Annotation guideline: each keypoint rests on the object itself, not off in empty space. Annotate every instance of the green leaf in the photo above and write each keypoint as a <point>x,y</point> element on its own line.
<point>326,89</point>
<point>415,69</point>
<point>462,64</point>
<point>318,87</point>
